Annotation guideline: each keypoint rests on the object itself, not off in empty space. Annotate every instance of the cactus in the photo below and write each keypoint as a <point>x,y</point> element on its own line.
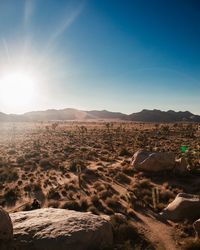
<point>155,197</point>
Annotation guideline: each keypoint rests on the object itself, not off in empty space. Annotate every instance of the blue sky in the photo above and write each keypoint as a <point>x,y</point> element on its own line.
<point>117,55</point>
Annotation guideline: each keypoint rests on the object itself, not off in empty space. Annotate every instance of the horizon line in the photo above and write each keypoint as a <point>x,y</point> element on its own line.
<point>60,109</point>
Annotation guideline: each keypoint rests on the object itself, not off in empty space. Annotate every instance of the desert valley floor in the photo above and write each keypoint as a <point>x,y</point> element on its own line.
<point>86,166</point>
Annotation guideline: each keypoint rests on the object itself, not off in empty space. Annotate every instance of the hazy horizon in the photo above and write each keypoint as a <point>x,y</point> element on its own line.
<point>95,55</point>
<point>101,109</point>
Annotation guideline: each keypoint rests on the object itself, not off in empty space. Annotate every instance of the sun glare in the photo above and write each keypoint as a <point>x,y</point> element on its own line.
<point>17,90</point>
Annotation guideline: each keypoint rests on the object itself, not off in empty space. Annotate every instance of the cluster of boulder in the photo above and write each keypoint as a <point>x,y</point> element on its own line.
<point>158,161</point>
<point>184,207</point>
<point>51,229</point>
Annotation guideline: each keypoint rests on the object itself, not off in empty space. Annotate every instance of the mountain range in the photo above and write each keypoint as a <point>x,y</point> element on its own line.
<point>75,114</point>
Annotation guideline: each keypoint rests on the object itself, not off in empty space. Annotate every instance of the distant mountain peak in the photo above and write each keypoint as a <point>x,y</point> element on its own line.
<point>67,114</point>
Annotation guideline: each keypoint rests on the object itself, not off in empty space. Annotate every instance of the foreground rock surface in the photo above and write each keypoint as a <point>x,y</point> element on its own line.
<point>184,206</point>
<point>6,228</point>
<point>51,229</point>
<point>153,161</point>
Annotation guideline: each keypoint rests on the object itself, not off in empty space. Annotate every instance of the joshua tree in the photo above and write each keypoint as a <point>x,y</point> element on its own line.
<point>109,126</point>
<point>155,197</point>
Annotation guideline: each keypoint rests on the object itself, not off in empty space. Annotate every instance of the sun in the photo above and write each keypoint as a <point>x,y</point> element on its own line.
<point>17,89</point>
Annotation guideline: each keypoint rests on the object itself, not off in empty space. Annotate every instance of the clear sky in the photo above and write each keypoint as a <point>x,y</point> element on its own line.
<point>117,55</point>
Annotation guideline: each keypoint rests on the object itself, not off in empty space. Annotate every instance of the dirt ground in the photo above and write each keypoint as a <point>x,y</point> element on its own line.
<point>86,166</point>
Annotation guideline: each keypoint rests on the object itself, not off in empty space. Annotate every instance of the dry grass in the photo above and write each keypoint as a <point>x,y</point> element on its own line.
<point>90,170</point>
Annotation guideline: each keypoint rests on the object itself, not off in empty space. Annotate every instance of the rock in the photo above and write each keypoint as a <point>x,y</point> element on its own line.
<point>51,229</point>
<point>181,166</point>
<point>196,226</point>
<point>6,228</point>
<point>184,206</point>
<point>153,161</point>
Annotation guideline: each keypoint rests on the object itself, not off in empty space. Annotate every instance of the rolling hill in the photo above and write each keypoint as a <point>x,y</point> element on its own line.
<point>74,114</point>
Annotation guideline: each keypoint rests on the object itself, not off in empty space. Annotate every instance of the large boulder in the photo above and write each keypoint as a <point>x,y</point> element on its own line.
<point>51,229</point>
<point>6,228</point>
<point>153,161</point>
<point>184,206</point>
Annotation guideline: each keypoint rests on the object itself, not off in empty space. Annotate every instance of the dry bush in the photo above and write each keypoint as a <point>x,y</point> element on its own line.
<point>75,164</point>
<point>84,203</point>
<point>166,196</point>
<point>122,178</point>
<point>46,163</point>
<point>114,203</point>
<point>11,196</point>
<point>93,210</point>
<point>97,203</point>
<point>99,186</point>
<point>26,207</point>
<point>128,170</point>
<point>124,152</point>
<point>53,195</point>
<point>105,194</point>
<point>53,204</point>
<point>122,230</point>
<point>72,205</point>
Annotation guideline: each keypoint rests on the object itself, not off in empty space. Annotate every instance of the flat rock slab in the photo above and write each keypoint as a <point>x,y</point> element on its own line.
<point>153,161</point>
<point>183,207</point>
<point>51,229</point>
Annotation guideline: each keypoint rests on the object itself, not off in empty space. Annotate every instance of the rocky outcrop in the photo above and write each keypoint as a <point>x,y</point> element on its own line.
<point>184,206</point>
<point>51,229</point>
<point>6,228</point>
<point>153,161</point>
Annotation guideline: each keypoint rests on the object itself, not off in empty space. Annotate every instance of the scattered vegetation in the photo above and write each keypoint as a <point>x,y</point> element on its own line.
<point>86,166</point>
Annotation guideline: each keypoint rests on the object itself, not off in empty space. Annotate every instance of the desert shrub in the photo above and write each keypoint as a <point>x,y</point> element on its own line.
<point>92,155</point>
<point>72,186</point>
<point>36,187</point>
<point>93,210</point>
<point>72,205</point>
<point>27,188</point>
<point>166,195</point>
<point>24,177</point>
<point>11,195</point>
<point>105,194</point>
<point>77,164</point>
<point>114,203</point>
<point>99,186</point>
<point>122,230</point>
<point>160,206</point>
<point>128,170</point>
<point>53,194</point>
<point>46,163</point>
<point>124,152</point>
<point>54,204</point>
<point>20,160</point>
<point>13,176</point>
<point>95,200</point>
<point>19,183</point>
<point>84,204</point>
<point>64,193</point>
<point>107,210</point>
<point>26,207</point>
<point>97,203</point>
<point>145,183</point>
<point>89,176</point>
<point>122,178</point>
<point>126,232</point>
